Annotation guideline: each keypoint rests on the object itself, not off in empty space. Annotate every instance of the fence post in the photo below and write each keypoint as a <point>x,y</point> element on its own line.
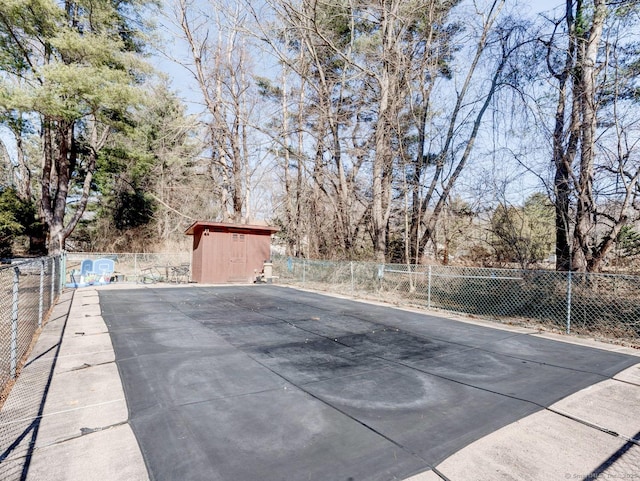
<point>569,282</point>
<point>63,272</point>
<point>135,266</point>
<point>429,290</point>
<point>304,270</point>
<point>53,282</point>
<point>14,321</point>
<point>41,295</point>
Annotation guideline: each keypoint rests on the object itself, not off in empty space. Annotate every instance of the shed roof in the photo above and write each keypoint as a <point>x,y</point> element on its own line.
<point>230,227</point>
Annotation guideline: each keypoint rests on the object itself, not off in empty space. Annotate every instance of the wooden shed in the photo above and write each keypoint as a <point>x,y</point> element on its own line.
<point>224,252</point>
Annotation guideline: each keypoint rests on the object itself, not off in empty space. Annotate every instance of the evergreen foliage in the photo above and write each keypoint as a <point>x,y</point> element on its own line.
<point>17,217</point>
<point>72,70</point>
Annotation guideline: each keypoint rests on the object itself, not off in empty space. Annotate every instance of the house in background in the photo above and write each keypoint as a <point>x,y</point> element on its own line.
<point>224,252</point>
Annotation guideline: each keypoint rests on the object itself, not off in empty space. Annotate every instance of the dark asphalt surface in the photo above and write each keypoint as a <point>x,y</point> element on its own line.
<point>268,383</point>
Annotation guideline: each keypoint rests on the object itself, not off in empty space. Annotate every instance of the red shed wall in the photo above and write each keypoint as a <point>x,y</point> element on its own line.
<point>229,255</point>
<point>258,251</point>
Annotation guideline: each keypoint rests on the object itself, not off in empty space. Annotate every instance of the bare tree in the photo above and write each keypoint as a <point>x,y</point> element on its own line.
<point>370,69</point>
<point>439,165</point>
<point>220,63</point>
<point>320,111</point>
<point>592,151</point>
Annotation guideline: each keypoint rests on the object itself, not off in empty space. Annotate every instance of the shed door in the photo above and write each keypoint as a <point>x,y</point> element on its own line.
<point>238,257</point>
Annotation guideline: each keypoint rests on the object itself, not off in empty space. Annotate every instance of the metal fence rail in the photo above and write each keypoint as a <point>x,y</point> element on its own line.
<point>28,290</point>
<point>600,305</point>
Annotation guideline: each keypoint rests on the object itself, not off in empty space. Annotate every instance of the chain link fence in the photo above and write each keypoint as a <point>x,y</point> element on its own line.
<point>137,267</point>
<point>603,306</point>
<point>28,290</point>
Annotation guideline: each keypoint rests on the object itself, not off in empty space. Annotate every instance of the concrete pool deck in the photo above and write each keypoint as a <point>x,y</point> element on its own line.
<point>519,425</point>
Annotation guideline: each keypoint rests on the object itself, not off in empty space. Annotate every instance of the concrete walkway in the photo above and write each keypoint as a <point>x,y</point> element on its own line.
<point>593,434</point>
<point>67,418</point>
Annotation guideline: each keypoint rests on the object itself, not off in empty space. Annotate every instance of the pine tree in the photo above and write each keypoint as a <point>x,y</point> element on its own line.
<point>73,69</point>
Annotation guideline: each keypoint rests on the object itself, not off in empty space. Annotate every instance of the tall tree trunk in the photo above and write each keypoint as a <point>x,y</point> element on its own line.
<point>577,142</point>
<point>585,228</point>
<point>388,79</point>
<point>379,218</point>
<point>563,157</point>
<point>58,154</point>
<point>60,162</point>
